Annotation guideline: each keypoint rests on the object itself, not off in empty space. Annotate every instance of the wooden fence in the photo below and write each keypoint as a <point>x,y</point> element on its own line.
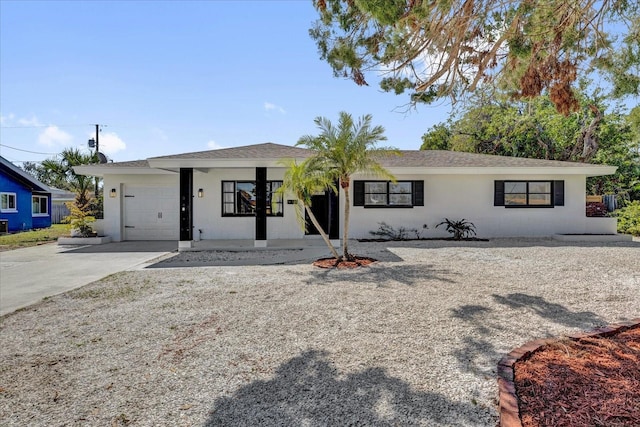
<point>58,211</point>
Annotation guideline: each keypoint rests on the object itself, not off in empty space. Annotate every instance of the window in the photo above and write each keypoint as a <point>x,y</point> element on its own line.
<point>387,194</point>
<point>533,194</point>
<point>239,198</point>
<point>8,202</point>
<point>40,205</point>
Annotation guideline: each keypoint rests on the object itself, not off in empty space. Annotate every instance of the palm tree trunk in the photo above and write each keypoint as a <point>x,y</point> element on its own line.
<point>322,233</point>
<point>345,230</point>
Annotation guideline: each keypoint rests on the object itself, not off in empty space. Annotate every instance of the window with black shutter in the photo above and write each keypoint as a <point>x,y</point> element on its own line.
<point>529,194</point>
<point>387,194</point>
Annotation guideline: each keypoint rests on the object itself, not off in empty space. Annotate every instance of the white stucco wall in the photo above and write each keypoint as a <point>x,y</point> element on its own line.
<point>471,197</point>
<point>446,196</point>
<point>207,211</point>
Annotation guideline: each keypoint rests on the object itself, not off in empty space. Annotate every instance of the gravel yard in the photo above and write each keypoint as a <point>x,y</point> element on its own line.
<point>413,339</point>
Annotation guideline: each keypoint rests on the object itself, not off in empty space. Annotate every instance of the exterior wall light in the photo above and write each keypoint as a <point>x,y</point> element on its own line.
<point>200,193</point>
<point>112,193</point>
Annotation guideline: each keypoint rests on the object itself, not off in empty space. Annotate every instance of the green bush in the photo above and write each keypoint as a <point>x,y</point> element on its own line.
<point>461,229</point>
<point>629,218</point>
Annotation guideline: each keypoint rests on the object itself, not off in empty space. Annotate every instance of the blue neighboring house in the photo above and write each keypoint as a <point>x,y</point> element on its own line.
<point>25,202</point>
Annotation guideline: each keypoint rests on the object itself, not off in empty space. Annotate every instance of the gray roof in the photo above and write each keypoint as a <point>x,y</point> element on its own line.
<point>444,159</point>
<point>406,159</point>
<point>127,164</point>
<point>267,150</point>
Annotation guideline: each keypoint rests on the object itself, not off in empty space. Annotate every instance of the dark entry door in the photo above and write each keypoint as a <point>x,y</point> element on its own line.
<point>319,207</point>
<point>325,209</point>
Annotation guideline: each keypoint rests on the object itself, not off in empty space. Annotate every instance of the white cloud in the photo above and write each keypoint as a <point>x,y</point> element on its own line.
<point>5,120</point>
<point>52,136</point>
<point>268,106</point>
<point>214,145</point>
<point>11,120</point>
<point>111,143</point>
<point>33,121</point>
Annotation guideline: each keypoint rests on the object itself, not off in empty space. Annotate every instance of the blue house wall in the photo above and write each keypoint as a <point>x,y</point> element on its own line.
<point>23,218</point>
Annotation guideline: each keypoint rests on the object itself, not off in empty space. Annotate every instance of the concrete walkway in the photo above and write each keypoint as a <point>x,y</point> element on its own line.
<point>30,274</point>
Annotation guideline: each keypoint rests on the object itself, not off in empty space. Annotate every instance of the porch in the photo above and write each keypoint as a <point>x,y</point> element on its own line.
<point>241,245</point>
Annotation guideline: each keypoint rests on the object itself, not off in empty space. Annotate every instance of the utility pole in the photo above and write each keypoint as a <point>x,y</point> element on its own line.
<point>97,156</point>
<point>96,142</point>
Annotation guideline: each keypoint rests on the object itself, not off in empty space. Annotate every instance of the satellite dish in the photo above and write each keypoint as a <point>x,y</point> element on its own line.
<point>102,158</point>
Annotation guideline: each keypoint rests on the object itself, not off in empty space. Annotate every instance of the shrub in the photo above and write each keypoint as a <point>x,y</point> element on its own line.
<point>461,229</point>
<point>388,232</point>
<point>79,220</point>
<point>629,218</point>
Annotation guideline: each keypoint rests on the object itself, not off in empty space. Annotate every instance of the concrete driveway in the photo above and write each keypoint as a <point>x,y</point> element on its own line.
<point>30,274</point>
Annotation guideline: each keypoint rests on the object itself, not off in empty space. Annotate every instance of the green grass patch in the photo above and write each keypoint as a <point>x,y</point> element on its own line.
<point>33,237</point>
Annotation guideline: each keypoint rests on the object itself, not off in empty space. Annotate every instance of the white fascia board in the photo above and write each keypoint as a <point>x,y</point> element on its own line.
<point>591,170</point>
<point>98,171</point>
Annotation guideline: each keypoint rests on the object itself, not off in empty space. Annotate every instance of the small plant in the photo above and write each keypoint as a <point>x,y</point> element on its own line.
<point>79,220</point>
<point>629,218</point>
<point>461,229</point>
<point>385,231</point>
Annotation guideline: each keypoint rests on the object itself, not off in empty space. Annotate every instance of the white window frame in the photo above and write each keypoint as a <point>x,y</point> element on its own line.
<point>39,197</point>
<point>15,202</point>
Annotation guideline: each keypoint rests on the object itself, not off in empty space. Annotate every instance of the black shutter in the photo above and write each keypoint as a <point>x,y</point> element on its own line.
<point>498,193</point>
<point>358,193</point>
<point>418,193</point>
<point>558,193</point>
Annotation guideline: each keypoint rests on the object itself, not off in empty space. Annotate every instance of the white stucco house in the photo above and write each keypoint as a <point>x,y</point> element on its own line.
<point>227,194</point>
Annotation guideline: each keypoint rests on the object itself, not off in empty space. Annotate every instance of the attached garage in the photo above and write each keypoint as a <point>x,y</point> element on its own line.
<point>151,213</point>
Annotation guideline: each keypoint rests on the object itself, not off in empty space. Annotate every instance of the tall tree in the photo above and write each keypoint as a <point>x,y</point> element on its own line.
<point>302,180</point>
<point>346,149</point>
<point>534,129</point>
<point>438,49</point>
<point>61,172</point>
<point>38,172</point>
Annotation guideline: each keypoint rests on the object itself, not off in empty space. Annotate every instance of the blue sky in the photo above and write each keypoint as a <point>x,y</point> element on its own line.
<point>169,77</point>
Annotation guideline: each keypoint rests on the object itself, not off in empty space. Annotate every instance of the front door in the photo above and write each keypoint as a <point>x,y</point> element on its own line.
<point>325,209</point>
<point>319,209</point>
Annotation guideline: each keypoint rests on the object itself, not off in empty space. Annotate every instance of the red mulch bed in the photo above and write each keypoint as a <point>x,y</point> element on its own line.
<point>591,382</point>
<point>354,262</point>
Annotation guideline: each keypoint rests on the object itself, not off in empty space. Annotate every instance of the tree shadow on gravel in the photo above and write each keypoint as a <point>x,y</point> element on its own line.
<point>479,355</point>
<point>551,311</point>
<point>381,275</point>
<point>308,390</point>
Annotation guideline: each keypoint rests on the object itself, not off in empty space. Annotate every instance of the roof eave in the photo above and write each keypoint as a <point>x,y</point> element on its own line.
<point>590,170</point>
<point>96,170</point>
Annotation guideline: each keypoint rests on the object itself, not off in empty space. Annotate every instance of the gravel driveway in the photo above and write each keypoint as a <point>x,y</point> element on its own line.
<point>412,340</point>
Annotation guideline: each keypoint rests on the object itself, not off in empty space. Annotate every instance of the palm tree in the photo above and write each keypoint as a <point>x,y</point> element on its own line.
<point>303,181</point>
<point>345,150</point>
<point>63,176</point>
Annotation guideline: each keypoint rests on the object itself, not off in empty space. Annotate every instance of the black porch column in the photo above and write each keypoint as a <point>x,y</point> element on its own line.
<point>186,204</point>
<point>261,203</point>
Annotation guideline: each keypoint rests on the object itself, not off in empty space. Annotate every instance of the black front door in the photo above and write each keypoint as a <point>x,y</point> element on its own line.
<point>325,209</point>
<point>319,207</point>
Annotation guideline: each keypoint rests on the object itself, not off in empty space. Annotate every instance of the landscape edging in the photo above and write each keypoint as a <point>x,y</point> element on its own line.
<point>507,397</point>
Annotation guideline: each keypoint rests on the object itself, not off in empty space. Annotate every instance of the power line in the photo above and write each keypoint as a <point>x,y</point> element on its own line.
<point>43,126</point>
<point>27,151</point>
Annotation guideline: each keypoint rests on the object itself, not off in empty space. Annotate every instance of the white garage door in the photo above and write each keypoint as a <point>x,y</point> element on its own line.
<point>151,213</point>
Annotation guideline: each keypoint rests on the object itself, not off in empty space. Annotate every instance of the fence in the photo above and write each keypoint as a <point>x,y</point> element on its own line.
<point>58,211</point>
